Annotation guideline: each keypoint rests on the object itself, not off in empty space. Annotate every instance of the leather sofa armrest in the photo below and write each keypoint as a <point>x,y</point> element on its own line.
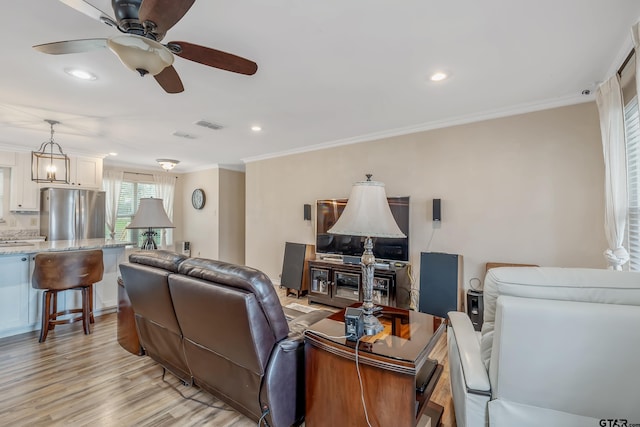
<point>300,324</point>
<point>475,374</point>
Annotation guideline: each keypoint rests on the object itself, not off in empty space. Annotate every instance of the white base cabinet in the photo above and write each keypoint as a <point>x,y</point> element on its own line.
<point>14,293</point>
<point>21,305</point>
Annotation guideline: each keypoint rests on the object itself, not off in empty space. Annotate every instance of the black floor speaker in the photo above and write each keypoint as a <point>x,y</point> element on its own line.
<point>294,267</point>
<point>440,283</point>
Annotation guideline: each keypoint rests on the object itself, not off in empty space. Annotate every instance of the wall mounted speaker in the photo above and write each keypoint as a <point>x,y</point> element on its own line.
<point>437,216</point>
<point>307,212</point>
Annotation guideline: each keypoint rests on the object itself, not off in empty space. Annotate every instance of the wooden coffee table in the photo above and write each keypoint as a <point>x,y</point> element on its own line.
<point>390,365</point>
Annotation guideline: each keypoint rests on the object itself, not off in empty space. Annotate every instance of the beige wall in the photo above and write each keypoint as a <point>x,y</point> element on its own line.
<point>524,189</point>
<point>200,226</point>
<point>231,227</point>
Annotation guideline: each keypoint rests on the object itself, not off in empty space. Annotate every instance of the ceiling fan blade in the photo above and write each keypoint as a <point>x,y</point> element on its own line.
<point>163,13</point>
<point>213,58</point>
<point>169,80</point>
<point>71,46</point>
<point>91,11</point>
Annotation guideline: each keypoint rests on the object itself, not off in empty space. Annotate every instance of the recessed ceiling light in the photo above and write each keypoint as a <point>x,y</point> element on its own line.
<point>439,76</point>
<point>256,128</point>
<point>113,154</point>
<point>80,74</point>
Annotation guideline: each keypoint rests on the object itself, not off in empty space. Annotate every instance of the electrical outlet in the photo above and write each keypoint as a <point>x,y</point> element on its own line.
<point>33,222</point>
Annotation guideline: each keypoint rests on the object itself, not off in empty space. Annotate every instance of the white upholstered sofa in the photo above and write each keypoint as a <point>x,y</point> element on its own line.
<point>558,347</point>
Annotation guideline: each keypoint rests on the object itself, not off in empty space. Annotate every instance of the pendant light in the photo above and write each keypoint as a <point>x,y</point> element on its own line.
<point>49,163</point>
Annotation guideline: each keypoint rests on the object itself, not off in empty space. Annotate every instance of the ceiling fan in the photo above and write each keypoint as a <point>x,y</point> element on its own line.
<point>144,24</point>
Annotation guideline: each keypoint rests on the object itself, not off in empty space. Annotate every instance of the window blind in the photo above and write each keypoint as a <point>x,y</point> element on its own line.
<point>632,135</point>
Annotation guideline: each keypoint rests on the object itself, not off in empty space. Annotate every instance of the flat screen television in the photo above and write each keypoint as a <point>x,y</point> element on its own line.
<point>327,213</point>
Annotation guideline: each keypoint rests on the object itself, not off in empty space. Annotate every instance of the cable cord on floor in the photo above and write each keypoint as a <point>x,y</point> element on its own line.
<point>262,418</point>
<point>364,405</point>
<point>194,399</point>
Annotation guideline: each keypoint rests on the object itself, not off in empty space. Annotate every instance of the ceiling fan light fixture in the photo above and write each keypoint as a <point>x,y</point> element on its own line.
<point>167,164</point>
<point>141,54</point>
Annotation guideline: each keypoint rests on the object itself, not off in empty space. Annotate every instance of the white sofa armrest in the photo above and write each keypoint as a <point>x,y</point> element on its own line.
<point>475,373</point>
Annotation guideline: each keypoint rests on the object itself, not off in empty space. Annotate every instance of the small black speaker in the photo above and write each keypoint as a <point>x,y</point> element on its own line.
<point>436,210</point>
<point>307,212</point>
<point>475,308</point>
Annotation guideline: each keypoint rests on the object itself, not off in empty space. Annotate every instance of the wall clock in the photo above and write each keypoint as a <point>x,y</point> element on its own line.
<point>197,198</point>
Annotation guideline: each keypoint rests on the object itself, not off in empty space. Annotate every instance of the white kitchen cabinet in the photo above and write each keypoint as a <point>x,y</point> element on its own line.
<point>24,192</point>
<point>86,172</point>
<point>21,305</point>
<point>14,294</point>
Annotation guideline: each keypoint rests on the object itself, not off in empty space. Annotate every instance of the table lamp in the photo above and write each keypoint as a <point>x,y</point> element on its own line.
<point>150,215</point>
<point>367,214</point>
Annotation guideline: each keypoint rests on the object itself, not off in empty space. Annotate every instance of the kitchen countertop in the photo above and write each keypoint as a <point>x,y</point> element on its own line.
<point>61,245</point>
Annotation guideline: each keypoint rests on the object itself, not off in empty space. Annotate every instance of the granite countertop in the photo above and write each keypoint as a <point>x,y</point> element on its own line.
<point>60,245</point>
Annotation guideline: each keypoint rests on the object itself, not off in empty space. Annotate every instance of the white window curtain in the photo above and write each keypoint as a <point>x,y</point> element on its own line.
<point>610,108</point>
<point>165,190</point>
<point>635,35</point>
<point>111,184</point>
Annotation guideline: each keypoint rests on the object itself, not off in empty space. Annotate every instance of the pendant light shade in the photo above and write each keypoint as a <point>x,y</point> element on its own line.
<point>141,54</point>
<point>49,163</point>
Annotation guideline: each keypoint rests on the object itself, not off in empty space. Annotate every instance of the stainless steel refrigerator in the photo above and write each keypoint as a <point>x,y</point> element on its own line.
<point>71,214</point>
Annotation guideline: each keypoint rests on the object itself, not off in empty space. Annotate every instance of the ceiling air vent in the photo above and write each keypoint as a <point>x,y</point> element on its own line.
<point>209,125</point>
<point>181,134</point>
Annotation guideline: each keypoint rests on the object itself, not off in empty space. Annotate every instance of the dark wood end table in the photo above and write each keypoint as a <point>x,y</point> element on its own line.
<point>390,365</point>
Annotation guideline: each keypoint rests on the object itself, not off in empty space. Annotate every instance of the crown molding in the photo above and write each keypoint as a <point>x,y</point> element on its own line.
<point>438,124</point>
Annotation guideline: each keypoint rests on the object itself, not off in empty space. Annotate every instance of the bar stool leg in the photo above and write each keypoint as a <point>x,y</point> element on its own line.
<point>91,304</point>
<point>46,312</point>
<point>54,308</point>
<point>86,320</point>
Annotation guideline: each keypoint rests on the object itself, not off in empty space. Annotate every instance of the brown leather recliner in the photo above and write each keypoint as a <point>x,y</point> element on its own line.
<point>234,339</point>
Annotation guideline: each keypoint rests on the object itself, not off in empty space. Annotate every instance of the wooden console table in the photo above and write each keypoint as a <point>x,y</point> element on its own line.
<point>390,364</point>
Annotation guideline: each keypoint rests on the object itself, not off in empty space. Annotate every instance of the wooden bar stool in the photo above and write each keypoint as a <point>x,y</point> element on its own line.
<point>63,271</point>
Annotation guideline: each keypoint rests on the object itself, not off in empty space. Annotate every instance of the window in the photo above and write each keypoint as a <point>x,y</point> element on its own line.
<point>130,195</point>
<point>632,134</point>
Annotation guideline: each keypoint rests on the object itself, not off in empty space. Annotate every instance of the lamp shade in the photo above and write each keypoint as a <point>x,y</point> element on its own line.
<point>140,53</point>
<point>151,214</point>
<point>367,213</point>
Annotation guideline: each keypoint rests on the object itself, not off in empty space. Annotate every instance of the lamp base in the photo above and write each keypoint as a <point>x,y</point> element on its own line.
<point>372,325</point>
<point>149,244</point>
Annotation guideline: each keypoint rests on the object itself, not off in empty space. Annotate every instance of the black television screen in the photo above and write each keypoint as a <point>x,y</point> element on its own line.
<point>327,213</point>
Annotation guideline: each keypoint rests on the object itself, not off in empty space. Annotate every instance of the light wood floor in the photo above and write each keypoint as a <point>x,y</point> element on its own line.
<point>75,380</point>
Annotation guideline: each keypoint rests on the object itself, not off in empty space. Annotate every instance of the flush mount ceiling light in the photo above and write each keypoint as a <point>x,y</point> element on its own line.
<point>438,77</point>
<point>49,160</point>
<point>80,74</point>
<point>167,164</point>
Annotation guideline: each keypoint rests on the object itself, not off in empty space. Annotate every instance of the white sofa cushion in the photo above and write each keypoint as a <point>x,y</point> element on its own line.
<point>564,284</point>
